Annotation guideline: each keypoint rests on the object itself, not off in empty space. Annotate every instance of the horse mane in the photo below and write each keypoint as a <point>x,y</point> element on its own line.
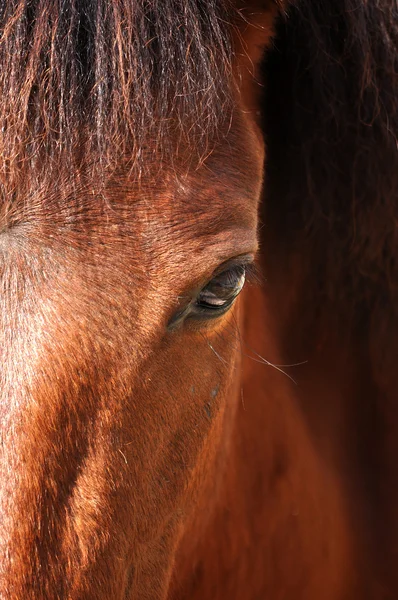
<point>331,122</point>
<point>127,77</point>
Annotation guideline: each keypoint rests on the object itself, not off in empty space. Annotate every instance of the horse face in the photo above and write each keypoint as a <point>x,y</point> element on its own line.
<point>121,358</point>
<point>123,376</point>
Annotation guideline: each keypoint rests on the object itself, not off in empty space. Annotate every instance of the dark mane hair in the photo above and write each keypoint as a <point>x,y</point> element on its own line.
<point>331,121</point>
<point>123,77</point>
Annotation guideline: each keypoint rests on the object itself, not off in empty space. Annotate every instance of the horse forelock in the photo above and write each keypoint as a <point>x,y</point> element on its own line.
<point>96,81</point>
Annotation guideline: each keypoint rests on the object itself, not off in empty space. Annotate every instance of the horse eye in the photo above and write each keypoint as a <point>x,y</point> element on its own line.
<point>219,294</point>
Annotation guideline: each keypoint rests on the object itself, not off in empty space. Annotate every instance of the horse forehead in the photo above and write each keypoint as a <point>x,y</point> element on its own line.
<point>220,193</point>
<point>213,199</point>
<point>228,180</point>
<point>225,182</point>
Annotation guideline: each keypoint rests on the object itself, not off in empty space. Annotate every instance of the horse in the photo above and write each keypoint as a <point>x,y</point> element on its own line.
<point>198,299</point>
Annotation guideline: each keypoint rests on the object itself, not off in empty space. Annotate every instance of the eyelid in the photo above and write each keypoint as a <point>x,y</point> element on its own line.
<point>245,260</point>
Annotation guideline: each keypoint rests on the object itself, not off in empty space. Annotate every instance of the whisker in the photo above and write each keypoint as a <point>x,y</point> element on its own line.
<point>124,456</point>
<point>215,351</point>
<point>297,364</point>
<point>260,359</point>
<point>241,398</point>
<point>232,328</point>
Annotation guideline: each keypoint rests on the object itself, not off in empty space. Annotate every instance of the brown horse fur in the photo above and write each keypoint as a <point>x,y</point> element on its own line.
<point>140,462</point>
